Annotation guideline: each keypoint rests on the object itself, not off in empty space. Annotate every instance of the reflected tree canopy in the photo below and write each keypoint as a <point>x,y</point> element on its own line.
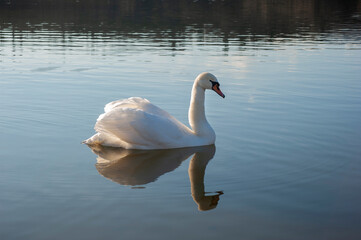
<point>178,20</point>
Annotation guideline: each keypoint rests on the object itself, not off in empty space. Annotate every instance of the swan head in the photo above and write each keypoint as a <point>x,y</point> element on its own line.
<point>209,81</point>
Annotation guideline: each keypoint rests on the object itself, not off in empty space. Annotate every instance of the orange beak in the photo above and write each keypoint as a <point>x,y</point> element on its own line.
<point>218,91</point>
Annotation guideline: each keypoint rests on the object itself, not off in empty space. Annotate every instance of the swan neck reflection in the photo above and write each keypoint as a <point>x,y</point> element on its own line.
<point>196,172</point>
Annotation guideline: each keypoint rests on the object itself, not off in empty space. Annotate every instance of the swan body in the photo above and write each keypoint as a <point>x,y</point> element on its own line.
<point>135,123</point>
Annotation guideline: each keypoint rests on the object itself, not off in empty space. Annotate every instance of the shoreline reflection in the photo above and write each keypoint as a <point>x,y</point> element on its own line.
<point>177,25</point>
<point>140,167</point>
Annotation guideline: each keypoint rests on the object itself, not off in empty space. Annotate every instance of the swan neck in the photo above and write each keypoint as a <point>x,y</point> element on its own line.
<point>197,118</point>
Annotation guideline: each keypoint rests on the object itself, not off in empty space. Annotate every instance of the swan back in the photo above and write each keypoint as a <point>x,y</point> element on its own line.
<point>137,103</point>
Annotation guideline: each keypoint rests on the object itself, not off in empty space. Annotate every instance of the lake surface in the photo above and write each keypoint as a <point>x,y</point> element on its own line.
<point>286,163</point>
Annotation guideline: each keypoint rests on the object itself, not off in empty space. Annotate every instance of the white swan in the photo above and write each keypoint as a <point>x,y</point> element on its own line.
<point>135,123</point>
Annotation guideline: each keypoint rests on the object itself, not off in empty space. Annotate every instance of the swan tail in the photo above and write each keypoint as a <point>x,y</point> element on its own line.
<point>92,141</point>
<point>104,139</point>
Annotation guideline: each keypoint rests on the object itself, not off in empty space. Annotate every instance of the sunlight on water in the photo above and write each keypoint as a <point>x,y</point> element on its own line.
<point>286,160</point>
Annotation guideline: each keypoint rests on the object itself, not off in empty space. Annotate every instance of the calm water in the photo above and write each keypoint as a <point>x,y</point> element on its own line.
<point>286,164</point>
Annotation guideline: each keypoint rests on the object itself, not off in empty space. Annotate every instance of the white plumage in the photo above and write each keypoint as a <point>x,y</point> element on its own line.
<point>135,123</point>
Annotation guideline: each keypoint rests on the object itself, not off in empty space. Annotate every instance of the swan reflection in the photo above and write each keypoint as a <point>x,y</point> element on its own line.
<point>139,167</point>
<point>196,171</point>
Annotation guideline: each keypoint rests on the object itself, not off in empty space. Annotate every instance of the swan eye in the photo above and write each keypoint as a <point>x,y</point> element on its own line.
<point>215,83</point>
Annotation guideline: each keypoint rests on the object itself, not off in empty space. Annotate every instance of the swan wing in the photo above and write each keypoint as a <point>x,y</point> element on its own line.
<point>137,103</point>
<point>137,128</point>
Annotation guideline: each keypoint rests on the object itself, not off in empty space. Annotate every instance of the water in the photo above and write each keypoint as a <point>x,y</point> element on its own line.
<point>286,162</point>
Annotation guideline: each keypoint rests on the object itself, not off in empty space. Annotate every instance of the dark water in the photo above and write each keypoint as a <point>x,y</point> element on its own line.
<point>286,164</point>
